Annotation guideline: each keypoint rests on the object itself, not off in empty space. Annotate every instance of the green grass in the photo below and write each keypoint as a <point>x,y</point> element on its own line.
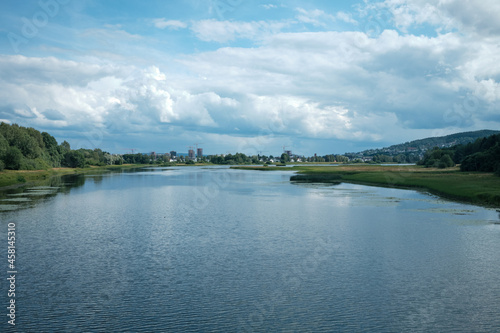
<point>13,178</point>
<point>259,168</point>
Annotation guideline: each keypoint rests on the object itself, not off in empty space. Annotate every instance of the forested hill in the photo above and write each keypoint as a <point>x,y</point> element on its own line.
<point>448,140</point>
<point>422,145</point>
<point>25,148</point>
<point>481,155</point>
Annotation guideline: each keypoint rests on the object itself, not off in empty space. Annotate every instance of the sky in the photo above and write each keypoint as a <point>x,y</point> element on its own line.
<point>325,77</point>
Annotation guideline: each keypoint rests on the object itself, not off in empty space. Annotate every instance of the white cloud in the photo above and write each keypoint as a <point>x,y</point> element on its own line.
<point>315,17</point>
<point>415,78</point>
<point>269,6</point>
<point>162,23</point>
<point>226,31</point>
<point>110,35</point>
<point>319,18</point>
<point>346,17</point>
<point>470,16</point>
<point>124,98</point>
<point>308,82</point>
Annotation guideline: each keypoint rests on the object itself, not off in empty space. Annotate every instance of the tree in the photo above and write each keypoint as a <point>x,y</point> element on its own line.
<point>285,158</point>
<point>445,162</point>
<point>64,147</point>
<point>13,158</point>
<point>4,145</point>
<point>74,159</point>
<point>51,149</point>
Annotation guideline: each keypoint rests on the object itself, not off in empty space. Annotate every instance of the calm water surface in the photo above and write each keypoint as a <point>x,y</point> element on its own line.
<point>219,250</point>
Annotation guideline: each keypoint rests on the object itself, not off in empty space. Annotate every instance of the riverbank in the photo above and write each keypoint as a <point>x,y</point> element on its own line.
<point>18,178</point>
<point>471,187</point>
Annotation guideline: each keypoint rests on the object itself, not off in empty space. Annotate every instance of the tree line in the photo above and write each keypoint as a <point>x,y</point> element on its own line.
<point>480,155</point>
<point>25,148</point>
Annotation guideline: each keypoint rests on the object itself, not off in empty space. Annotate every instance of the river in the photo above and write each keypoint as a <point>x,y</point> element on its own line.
<point>213,249</point>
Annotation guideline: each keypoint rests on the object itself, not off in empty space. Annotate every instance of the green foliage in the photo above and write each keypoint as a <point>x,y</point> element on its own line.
<point>382,159</point>
<point>74,159</point>
<point>285,158</point>
<point>190,162</point>
<point>231,159</point>
<point>438,158</point>
<point>480,155</point>
<point>52,151</point>
<point>64,147</point>
<point>24,148</point>
<point>21,179</point>
<point>34,164</point>
<point>4,145</point>
<point>485,160</point>
<point>13,158</point>
<point>136,158</point>
<point>445,162</point>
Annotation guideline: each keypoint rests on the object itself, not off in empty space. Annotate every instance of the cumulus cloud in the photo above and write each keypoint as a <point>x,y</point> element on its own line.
<point>465,15</point>
<point>308,84</point>
<point>416,78</point>
<point>136,99</point>
<point>129,96</point>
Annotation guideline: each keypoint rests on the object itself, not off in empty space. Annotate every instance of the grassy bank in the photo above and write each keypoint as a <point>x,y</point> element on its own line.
<point>260,167</point>
<point>15,178</point>
<point>472,187</point>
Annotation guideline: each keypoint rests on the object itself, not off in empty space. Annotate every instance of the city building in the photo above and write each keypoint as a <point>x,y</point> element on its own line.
<point>173,154</point>
<point>199,152</point>
<point>191,154</point>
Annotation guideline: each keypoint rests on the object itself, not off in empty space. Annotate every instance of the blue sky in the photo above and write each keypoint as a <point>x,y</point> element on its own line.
<point>248,76</point>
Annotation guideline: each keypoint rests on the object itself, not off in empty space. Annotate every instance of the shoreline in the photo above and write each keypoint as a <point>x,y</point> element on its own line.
<point>476,188</point>
<point>12,179</point>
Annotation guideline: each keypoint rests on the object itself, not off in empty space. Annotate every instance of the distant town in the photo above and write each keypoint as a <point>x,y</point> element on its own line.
<point>408,152</point>
<point>407,155</point>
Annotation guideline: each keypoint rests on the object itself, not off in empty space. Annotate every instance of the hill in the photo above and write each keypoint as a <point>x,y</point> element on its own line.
<point>413,151</point>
